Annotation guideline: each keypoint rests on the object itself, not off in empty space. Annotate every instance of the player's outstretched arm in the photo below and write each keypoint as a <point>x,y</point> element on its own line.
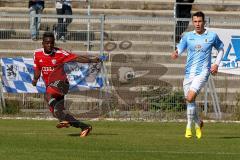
<point>87,59</point>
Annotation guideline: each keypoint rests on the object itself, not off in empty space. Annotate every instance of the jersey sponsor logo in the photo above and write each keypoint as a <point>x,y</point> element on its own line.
<point>198,47</point>
<point>47,69</point>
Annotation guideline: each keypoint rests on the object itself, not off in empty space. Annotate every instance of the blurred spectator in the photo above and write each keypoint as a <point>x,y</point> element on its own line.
<point>35,8</point>
<point>182,11</point>
<point>63,7</point>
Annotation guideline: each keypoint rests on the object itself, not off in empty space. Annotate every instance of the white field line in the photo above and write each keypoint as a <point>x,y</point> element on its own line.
<point>166,152</point>
<point>118,119</point>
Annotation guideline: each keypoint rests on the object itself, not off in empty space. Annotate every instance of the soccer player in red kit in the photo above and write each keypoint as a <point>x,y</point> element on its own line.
<point>48,62</point>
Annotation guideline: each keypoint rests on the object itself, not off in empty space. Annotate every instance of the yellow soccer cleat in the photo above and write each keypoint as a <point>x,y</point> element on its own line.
<point>188,133</point>
<point>198,133</point>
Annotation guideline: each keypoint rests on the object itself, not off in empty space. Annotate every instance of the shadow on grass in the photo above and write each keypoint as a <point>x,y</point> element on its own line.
<point>97,134</point>
<point>236,137</point>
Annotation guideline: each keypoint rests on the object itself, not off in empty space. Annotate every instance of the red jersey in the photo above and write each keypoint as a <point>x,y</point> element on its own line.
<point>47,64</point>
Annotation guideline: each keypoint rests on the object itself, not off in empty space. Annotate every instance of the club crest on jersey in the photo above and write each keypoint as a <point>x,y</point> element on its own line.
<point>54,61</point>
<point>206,40</point>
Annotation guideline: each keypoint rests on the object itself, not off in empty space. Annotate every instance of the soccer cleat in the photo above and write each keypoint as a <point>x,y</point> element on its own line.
<point>63,124</point>
<point>188,133</point>
<point>86,131</point>
<point>198,133</point>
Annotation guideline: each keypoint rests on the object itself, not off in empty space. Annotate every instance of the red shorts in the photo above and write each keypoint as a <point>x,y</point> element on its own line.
<point>53,92</point>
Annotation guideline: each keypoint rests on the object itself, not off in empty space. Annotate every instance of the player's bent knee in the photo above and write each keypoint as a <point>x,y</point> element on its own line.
<point>190,99</point>
<point>191,96</point>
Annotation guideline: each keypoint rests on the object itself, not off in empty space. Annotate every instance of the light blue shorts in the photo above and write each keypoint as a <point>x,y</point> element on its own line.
<point>195,84</point>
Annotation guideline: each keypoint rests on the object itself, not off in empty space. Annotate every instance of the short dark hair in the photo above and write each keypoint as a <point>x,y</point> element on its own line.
<point>48,34</point>
<point>199,14</point>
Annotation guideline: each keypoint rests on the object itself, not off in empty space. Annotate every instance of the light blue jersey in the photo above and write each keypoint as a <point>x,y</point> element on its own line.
<point>199,49</point>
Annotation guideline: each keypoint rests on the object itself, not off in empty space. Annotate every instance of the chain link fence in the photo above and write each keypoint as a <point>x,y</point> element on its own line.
<point>144,83</point>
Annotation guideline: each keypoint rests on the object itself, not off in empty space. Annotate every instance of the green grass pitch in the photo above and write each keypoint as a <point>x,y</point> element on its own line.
<point>112,140</point>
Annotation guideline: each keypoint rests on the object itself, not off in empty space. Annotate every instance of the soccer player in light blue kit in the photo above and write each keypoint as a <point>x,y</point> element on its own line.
<point>199,44</point>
